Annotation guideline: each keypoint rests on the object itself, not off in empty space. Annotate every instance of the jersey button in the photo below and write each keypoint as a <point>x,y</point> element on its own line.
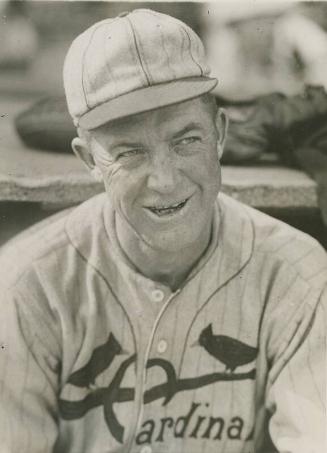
<point>162,346</point>
<point>146,449</point>
<point>157,295</point>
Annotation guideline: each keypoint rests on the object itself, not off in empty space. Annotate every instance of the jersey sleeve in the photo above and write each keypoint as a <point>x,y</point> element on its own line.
<point>296,395</point>
<point>29,370</point>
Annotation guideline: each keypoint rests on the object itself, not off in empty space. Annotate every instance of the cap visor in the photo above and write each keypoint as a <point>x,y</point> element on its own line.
<point>148,98</point>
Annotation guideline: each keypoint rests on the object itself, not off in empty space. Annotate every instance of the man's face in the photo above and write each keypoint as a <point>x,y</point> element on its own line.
<point>161,171</point>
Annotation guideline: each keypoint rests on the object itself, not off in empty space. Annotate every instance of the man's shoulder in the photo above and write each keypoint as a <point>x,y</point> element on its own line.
<point>282,244</point>
<point>44,242</point>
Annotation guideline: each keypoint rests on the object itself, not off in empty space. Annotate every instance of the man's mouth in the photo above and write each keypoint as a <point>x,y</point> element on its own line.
<point>162,211</point>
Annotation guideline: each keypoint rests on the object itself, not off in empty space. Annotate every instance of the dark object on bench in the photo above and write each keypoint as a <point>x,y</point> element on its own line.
<point>47,125</point>
<point>293,126</point>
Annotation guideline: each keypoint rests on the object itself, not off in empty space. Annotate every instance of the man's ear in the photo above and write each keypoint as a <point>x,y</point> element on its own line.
<point>83,152</point>
<point>222,126</point>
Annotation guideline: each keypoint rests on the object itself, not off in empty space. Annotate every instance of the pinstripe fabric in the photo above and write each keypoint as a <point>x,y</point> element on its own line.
<point>81,336</point>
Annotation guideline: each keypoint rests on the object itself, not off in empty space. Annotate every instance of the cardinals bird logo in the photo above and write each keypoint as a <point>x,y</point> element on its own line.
<point>102,358</point>
<point>231,352</point>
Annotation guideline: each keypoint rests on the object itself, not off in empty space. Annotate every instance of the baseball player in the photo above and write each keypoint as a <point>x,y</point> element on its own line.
<point>158,316</point>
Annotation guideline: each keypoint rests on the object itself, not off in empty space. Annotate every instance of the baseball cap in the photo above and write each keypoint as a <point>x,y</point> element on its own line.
<point>135,62</point>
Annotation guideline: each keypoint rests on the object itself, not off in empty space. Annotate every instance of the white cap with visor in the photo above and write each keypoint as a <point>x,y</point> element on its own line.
<point>138,61</point>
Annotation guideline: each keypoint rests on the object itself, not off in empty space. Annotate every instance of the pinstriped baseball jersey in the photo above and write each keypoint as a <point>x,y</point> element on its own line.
<point>97,358</point>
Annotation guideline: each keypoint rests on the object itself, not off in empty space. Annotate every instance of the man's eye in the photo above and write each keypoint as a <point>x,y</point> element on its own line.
<point>188,140</point>
<point>130,153</point>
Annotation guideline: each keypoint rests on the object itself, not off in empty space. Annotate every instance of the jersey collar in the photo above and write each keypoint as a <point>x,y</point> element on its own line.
<point>231,249</point>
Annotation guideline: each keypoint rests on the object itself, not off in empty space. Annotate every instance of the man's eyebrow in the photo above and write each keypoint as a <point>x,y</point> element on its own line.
<point>125,144</point>
<point>188,128</point>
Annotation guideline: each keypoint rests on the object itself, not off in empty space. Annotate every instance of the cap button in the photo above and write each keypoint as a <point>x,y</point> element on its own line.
<point>123,14</point>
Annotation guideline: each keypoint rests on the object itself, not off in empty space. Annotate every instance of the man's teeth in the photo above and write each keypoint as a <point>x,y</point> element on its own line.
<point>164,210</point>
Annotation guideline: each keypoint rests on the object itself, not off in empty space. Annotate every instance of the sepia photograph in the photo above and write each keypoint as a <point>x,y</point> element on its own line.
<point>163,226</point>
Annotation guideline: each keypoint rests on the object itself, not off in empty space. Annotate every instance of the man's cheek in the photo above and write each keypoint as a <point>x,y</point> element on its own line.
<point>116,187</point>
<point>202,167</point>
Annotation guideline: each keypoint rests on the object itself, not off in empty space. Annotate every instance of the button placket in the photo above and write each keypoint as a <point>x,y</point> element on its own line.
<point>156,345</point>
<point>162,346</point>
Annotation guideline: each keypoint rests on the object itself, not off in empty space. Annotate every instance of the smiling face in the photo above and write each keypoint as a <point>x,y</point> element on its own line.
<point>161,171</point>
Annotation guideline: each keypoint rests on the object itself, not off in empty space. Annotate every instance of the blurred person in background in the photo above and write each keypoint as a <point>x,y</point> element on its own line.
<point>260,47</point>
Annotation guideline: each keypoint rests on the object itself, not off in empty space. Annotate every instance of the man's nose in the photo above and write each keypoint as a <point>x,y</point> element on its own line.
<point>163,173</point>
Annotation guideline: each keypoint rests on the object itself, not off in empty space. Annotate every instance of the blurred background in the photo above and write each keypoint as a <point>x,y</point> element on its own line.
<point>254,48</point>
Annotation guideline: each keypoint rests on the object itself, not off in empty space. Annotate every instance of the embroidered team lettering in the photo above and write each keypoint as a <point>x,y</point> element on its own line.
<point>195,425</point>
<point>229,351</point>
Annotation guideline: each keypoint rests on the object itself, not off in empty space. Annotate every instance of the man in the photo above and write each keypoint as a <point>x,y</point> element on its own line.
<point>157,317</point>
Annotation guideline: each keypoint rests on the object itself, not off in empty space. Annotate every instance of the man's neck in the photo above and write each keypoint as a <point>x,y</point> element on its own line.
<point>170,268</point>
